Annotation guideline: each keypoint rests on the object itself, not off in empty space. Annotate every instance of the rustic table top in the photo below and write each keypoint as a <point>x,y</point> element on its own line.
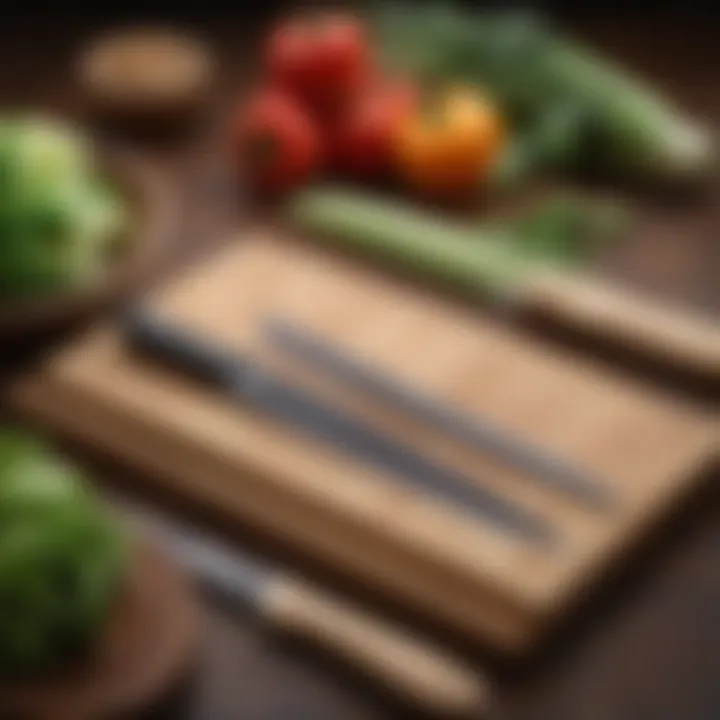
<point>649,648</point>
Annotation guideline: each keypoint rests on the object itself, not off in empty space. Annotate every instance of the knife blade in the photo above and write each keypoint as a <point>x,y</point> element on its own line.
<point>471,429</point>
<point>249,383</point>
<point>412,668</point>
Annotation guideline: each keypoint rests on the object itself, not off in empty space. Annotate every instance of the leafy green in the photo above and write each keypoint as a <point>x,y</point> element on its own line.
<point>566,229</point>
<point>556,141</point>
<point>56,217</point>
<point>61,557</point>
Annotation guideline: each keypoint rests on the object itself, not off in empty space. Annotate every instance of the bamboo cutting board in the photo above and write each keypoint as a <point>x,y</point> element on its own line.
<point>647,447</point>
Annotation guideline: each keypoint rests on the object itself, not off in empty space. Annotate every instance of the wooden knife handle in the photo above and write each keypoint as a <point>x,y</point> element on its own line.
<point>686,341</point>
<point>419,673</point>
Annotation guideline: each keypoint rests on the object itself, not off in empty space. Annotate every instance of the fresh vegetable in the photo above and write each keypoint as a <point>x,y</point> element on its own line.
<point>556,141</point>
<point>411,238</point>
<point>61,558</point>
<point>446,147</point>
<point>640,132</point>
<point>321,58</point>
<point>57,217</point>
<point>363,137</point>
<point>495,256</point>
<point>529,67</point>
<point>565,228</point>
<point>277,143</point>
<point>46,153</point>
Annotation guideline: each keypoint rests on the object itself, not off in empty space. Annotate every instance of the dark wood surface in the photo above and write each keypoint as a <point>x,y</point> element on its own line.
<point>649,647</point>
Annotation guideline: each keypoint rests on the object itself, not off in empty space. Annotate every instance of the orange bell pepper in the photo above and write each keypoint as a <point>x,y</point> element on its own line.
<point>445,147</point>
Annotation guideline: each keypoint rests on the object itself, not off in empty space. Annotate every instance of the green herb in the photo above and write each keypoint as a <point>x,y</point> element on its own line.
<point>61,557</point>
<point>566,229</point>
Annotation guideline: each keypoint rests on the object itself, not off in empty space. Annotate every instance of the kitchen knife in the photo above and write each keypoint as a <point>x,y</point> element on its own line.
<point>412,669</point>
<point>474,430</point>
<point>250,384</point>
<point>427,243</point>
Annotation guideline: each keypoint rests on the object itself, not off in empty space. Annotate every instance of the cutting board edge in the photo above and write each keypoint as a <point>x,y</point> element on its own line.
<point>694,467</point>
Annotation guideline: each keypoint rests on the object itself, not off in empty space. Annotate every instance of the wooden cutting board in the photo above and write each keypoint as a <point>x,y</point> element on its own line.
<point>647,447</point>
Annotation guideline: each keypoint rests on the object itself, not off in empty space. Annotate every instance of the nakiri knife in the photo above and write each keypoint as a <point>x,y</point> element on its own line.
<point>472,429</point>
<point>414,670</point>
<point>245,380</point>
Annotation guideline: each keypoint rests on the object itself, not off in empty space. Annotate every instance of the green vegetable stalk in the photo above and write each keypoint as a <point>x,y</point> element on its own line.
<point>407,237</point>
<point>61,558</point>
<point>639,130</point>
<point>494,257</point>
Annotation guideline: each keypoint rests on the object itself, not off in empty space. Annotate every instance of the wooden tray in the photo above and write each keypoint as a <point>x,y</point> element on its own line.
<point>648,447</point>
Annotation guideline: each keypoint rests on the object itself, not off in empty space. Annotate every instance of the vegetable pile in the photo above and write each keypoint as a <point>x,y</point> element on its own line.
<point>57,217</point>
<point>569,105</point>
<point>449,101</point>
<point>325,103</point>
<point>61,558</point>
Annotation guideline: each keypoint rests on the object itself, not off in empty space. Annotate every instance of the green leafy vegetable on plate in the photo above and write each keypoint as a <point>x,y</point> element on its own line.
<point>58,217</point>
<point>61,557</point>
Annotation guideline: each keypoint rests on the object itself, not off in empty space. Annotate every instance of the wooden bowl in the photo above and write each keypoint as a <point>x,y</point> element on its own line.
<point>148,647</point>
<point>153,223</point>
<point>146,77</point>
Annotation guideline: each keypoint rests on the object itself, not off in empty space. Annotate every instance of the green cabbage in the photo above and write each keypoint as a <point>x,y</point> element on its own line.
<point>61,558</point>
<point>56,216</point>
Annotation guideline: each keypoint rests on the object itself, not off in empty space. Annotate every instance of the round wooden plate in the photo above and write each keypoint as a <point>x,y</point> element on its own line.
<point>154,220</point>
<point>151,641</point>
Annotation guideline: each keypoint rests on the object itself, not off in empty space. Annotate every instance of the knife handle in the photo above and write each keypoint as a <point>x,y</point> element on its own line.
<point>421,674</point>
<point>685,341</point>
<point>165,341</point>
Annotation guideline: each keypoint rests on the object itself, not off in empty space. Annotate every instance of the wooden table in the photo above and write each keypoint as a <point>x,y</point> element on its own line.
<point>649,648</point>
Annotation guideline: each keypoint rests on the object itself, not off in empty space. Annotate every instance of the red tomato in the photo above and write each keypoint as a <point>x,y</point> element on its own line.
<point>321,58</point>
<point>278,144</point>
<point>363,137</point>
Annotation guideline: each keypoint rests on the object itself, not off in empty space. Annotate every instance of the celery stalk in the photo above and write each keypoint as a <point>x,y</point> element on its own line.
<point>410,238</point>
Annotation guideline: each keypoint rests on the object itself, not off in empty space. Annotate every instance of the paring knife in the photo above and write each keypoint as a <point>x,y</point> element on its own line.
<point>414,670</point>
<point>474,430</point>
<point>250,384</point>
